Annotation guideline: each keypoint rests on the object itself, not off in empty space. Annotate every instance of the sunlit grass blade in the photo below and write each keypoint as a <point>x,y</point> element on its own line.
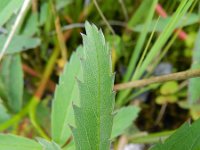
<point>156,48</point>
<point>137,51</point>
<point>161,41</point>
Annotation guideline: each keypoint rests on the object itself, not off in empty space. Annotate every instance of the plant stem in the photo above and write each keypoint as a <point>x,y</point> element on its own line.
<point>103,17</point>
<point>40,91</point>
<point>32,105</point>
<point>47,73</point>
<point>174,76</point>
<point>15,118</point>
<point>151,138</point>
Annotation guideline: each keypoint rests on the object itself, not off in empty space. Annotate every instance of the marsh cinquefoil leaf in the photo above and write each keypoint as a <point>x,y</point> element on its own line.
<point>13,142</point>
<point>123,119</point>
<point>66,93</point>
<point>187,137</point>
<point>47,145</point>
<point>12,78</point>
<point>94,117</point>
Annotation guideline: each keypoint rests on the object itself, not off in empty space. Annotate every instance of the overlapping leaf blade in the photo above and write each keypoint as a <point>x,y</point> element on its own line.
<point>13,142</point>
<point>94,116</point>
<point>12,78</point>
<point>123,119</point>
<point>66,92</point>
<point>19,43</point>
<point>7,9</point>
<point>47,145</point>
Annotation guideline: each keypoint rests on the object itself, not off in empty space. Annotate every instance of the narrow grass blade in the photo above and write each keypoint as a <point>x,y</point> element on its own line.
<point>180,12</point>
<point>194,18</point>
<point>137,51</point>
<point>156,48</point>
<point>139,15</point>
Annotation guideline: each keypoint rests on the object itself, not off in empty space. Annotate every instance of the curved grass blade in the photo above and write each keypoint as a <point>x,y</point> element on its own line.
<point>94,117</point>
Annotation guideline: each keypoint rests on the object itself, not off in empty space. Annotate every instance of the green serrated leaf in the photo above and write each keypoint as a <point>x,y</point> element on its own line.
<point>123,119</point>
<point>12,78</point>
<point>66,93</point>
<point>19,43</point>
<point>187,137</point>
<point>13,142</point>
<point>7,9</point>
<point>94,117</point>
<point>46,145</point>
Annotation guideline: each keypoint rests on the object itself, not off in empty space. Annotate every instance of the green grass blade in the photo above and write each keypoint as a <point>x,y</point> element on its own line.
<point>194,18</point>
<point>66,93</point>
<point>168,30</point>
<point>94,116</point>
<point>137,51</point>
<point>181,11</point>
<point>139,15</point>
<point>140,43</point>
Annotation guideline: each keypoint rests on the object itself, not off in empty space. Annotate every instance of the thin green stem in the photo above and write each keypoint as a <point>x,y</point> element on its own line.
<point>151,138</point>
<point>103,17</point>
<point>16,118</point>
